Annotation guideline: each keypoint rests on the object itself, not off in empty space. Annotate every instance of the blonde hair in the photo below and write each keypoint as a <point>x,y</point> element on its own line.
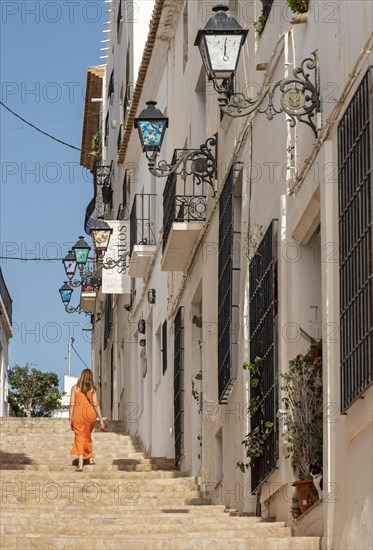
<point>85,382</point>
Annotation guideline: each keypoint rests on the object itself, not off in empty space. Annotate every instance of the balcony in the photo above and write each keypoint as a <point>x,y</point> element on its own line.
<point>88,301</point>
<point>142,236</point>
<point>5,305</point>
<point>184,211</point>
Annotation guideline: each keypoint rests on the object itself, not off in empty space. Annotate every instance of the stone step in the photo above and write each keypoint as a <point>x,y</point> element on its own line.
<point>88,474</point>
<point>110,510</point>
<point>53,466</point>
<point>84,527</point>
<point>125,458</point>
<point>183,541</point>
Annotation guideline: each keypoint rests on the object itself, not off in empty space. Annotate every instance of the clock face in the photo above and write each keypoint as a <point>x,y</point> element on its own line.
<point>224,51</point>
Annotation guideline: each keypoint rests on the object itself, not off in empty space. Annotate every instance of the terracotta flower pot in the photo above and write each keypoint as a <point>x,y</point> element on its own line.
<point>307,493</point>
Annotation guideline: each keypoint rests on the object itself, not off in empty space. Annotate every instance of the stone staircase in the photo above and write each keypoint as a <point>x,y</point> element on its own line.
<point>127,501</point>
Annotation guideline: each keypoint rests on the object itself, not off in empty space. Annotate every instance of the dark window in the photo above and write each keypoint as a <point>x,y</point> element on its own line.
<point>119,140</point>
<point>119,18</point>
<point>178,384</point>
<point>228,273</point>
<point>107,127</point>
<point>112,377</point>
<point>164,347</point>
<point>262,291</point>
<point>111,84</point>
<point>108,318</point>
<point>355,153</point>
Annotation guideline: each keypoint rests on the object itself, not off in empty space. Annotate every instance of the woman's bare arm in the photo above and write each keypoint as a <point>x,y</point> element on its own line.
<point>72,403</point>
<point>97,407</point>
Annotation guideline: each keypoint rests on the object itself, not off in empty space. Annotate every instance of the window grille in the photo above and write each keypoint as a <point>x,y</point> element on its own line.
<point>263,308</point>
<point>355,153</point>
<point>178,384</point>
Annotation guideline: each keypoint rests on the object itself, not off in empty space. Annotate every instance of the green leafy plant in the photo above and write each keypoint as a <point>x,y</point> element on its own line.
<point>298,6</point>
<point>33,392</point>
<point>260,23</point>
<point>255,440</point>
<point>96,145</point>
<point>303,400</point>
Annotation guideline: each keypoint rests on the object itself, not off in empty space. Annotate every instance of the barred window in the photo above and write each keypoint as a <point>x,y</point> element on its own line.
<point>355,243</point>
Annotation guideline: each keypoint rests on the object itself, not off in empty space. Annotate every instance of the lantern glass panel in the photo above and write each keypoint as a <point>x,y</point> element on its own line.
<point>223,50</point>
<point>66,295</point>
<point>101,238</point>
<point>151,133</point>
<point>81,255</point>
<point>70,267</point>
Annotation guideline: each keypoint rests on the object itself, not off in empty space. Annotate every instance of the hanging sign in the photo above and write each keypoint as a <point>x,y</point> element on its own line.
<point>116,280</point>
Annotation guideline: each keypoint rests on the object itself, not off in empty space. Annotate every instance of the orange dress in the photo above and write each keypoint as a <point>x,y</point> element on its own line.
<point>83,422</point>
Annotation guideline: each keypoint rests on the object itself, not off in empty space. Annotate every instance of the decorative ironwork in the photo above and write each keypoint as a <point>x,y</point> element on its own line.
<point>201,163</point>
<point>178,384</point>
<point>228,281</point>
<point>96,207</point>
<point>183,201</point>
<point>263,309</point>
<point>355,149</point>
<point>77,309</point>
<point>300,98</point>
<point>141,221</point>
<point>5,296</point>
<point>121,263</point>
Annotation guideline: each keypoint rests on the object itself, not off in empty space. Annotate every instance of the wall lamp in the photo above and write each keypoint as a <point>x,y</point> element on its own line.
<point>220,44</point>
<point>66,292</point>
<point>141,326</point>
<point>201,163</point>
<point>151,296</point>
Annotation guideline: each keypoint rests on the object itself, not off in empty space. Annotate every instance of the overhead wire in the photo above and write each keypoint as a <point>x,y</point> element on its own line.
<point>39,129</point>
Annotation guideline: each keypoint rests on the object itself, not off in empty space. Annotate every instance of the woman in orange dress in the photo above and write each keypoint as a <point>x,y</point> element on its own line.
<point>84,409</point>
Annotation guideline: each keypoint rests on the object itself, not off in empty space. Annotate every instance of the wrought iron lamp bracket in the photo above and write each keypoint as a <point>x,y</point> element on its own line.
<point>77,309</point>
<point>121,263</point>
<point>300,98</point>
<point>201,163</point>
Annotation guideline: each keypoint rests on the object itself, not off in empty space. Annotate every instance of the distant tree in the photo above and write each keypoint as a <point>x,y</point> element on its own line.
<point>32,392</point>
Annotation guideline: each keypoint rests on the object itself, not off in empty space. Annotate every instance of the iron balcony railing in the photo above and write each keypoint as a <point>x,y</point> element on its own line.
<point>97,206</point>
<point>5,296</point>
<point>142,220</point>
<point>184,200</point>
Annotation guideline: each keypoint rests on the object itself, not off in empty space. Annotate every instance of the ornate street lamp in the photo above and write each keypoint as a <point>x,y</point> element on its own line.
<point>100,233</point>
<point>220,43</point>
<point>151,295</point>
<point>141,326</point>
<point>151,124</point>
<point>81,250</point>
<point>70,264</point>
<point>201,163</point>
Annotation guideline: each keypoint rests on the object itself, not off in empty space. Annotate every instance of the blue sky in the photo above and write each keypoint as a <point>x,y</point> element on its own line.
<point>45,49</point>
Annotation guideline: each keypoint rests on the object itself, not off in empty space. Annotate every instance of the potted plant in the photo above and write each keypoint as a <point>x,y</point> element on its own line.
<point>303,400</point>
<point>298,6</point>
<point>255,440</point>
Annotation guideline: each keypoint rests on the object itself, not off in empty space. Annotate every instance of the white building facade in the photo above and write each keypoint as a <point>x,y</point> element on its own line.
<point>6,333</point>
<point>168,349</point>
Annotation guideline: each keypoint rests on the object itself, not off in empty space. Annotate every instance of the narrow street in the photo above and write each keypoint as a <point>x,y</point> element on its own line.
<point>125,501</point>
